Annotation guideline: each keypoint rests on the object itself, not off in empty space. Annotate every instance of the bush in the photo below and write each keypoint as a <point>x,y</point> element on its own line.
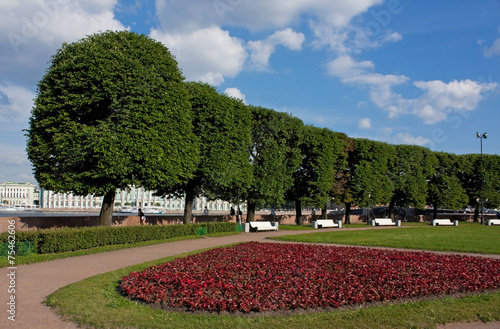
<point>71,239</point>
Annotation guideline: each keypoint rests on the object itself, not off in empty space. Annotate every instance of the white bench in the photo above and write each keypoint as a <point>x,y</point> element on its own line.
<point>493,222</point>
<point>262,226</point>
<point>385,222</point>
<point>324,223</point>
<point>444,222</point>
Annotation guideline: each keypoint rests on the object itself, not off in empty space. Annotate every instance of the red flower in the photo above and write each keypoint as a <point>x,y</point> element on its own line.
<point>254,277</point>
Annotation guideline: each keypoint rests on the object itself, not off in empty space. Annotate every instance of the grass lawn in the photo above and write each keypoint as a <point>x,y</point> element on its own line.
<point>36,258</point>
<point>95,302</point>
<point>466,237</point>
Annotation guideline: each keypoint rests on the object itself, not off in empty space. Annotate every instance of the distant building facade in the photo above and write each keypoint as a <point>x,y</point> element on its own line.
<point>19,195</point>
<point>135,197</point>
<point>27,195</point>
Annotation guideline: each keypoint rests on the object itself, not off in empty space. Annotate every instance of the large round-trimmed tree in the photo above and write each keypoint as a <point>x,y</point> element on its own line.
<point>111,111</point>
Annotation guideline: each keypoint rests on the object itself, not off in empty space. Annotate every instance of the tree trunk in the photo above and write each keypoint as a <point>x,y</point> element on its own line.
<point>298,213</point>
<point>347,213</point>
<point>188,204</point>
<point>324,212</point>
<point>435,211</point>
<point>391,210</point>
<point>251,211</point>
<point>106,215</point>
<point>476,214</point>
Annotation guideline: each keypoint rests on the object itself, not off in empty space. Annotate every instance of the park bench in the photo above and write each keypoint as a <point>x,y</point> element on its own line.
<point>262,226</point>
<point>325,223</point>
<point>444,222</point>
<point>494,222</point>
<point>385,222</point>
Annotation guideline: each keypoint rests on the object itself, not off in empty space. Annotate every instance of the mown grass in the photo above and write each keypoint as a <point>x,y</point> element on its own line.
<point>96,303</point>
<point>37,258</point>
<point>466,237</point>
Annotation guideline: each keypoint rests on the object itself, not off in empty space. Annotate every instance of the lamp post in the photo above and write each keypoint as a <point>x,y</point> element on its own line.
<point>481,136</point>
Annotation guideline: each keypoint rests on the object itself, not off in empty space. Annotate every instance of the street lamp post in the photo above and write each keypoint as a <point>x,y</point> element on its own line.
<point>481,136</point>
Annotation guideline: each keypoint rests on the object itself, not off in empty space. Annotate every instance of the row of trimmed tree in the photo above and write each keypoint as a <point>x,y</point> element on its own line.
<point>113,110</point>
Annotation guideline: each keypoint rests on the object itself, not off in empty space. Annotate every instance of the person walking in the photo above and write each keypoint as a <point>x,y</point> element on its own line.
<point>142,217</point>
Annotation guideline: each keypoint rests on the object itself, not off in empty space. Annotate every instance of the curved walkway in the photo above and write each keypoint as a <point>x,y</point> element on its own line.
<point>33,283</point>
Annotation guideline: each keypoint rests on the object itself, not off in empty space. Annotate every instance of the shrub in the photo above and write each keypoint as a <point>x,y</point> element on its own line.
<point>71,239</point>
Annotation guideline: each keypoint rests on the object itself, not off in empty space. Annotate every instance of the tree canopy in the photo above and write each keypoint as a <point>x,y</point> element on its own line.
<point>222,125</point>
<point>274,155</point>
<point>111,111</point>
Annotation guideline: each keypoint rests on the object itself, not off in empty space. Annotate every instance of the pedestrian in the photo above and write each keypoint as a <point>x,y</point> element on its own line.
<point>205,212</point>
<point>142,217</point>
<point>232,212</point>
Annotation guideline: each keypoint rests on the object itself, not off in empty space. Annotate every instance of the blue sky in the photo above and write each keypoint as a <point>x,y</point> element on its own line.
<point>420,72</point>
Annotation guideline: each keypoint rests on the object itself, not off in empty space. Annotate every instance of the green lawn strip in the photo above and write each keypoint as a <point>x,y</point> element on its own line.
<point>293,227</point>
<point>467,237</point>
<point>95,302</point>
<point>37,258</point>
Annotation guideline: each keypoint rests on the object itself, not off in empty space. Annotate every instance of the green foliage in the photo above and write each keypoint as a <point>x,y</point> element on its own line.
<point>222,125</point>
<point>466,237</point>
<point>445,189</point>
<point>314,180</point>
<point>275,154</point>
<point>412,167</point>
<point>371,183</point>
<point>72,239</point>
<point>110,112</point>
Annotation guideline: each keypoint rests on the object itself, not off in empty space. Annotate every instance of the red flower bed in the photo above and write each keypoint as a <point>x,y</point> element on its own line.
<point>273,276</point>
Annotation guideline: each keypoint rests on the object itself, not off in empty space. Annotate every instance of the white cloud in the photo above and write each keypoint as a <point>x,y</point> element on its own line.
<point>360,73</point>
<point>206,55</point>
<point>187,26</point>
<point>406,138</point>
<point>34,29</point>
<point>437,101</point>
<point>236,93</point>
<point>12,156</point>
<point>494,50</point>
<point>15,103</point>
<point>365,124</point>
<point>440,99</point>
<point>190,15</point>
<point>52,22</point>
<point>262,50</point>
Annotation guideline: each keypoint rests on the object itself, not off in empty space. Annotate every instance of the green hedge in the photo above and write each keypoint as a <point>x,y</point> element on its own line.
<point>71,239</point>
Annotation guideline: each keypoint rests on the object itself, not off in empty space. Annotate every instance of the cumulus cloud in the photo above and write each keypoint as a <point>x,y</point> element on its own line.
<point>437,100</point>
<point>236,93</point>
<point>350,71</point>
<point>189,15</point>
<point>406,138</point>
<point>15,103</point>
<point>494,50</point>
<point>365,124</point>
<point>12,156</point>
<point>207,55</point>
<point>185,23</point>
<point>34,29</point>
<point>262,50</point>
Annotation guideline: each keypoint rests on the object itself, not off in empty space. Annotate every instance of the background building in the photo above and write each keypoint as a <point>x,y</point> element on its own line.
<point>27,195</point>
<point>135,197</point>
<point>18,195</point>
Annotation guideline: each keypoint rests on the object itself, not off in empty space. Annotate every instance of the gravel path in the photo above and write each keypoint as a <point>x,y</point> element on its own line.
<point>33,283</point>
